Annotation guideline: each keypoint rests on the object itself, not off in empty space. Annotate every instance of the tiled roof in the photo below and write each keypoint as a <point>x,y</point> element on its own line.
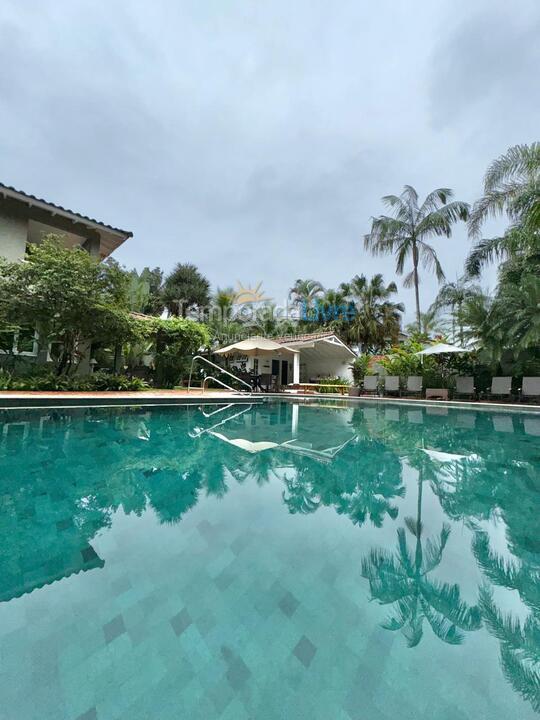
<point>13,192</point>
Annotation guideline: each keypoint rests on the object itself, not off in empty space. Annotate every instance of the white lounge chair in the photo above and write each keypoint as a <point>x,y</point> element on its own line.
<point>530,389</point>
<point>501,387</point>
<point>414,385</point>
<point>371,384</point>
<point>391,385</point>
<point>465,386</point>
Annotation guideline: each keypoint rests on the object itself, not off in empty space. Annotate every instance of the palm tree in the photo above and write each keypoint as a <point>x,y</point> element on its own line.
<point>304,292</point>
<point>405,233</point>
<point>430,324</point>
<point>402,578</point>
<point>453,295</point>
<point>223,300</point>
<point>511,186</point>
<point>378,318</point>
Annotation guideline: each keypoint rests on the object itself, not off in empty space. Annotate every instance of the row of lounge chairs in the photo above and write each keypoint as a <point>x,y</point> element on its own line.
<point>501,387</point>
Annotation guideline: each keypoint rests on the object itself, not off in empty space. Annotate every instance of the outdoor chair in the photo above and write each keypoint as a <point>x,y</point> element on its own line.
<point>414,385</point>
<point>269,382</point>
<point>530,389</point>
<point>465,387</point>
<point>371,384</point>
<point>391,385</point>
<point>501,387</point>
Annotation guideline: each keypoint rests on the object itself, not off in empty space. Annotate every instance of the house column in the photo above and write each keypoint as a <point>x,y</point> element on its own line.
<point>296,368</point>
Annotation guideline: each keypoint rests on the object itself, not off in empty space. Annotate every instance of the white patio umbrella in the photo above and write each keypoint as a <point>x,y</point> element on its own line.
<point>256,346</point>
<point>441,348</point>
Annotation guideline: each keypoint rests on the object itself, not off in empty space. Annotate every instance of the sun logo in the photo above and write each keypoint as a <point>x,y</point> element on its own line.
<point>245,295</point>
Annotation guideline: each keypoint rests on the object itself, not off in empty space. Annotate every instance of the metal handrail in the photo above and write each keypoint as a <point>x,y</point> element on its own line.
<point>206,360</point>
<point>219,382</point>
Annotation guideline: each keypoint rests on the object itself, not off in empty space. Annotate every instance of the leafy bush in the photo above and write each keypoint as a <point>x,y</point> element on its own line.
<point>331,381</point>
<point>48,381</point>
<point>360,368</point>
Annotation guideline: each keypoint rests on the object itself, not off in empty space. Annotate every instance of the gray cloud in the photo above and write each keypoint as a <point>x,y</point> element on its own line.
<point>256,139</point>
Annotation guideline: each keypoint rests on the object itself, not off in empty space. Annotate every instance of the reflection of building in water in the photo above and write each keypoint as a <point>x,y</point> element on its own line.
<point>318,432</point>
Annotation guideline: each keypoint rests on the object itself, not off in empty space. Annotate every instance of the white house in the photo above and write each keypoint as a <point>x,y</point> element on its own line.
<point>26,219</point>
<point>319,355</point>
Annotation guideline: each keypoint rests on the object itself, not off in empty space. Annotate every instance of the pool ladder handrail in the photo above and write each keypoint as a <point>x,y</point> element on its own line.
<point>220,382</point>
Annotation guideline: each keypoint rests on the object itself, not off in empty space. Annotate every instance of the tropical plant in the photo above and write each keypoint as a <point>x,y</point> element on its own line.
<point>304,292</point>
<point>452,296</point>
<point>405,233</point>
<point>511,186</point>
<point>377,318</point>
<point>69,297</point>
<point>185,290</point>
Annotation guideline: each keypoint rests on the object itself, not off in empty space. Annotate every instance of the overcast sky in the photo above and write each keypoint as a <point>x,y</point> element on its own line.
<point>255,139</point>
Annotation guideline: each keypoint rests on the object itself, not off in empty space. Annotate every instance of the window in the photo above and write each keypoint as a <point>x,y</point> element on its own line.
<point>19,342</point>
<point>26,341</point>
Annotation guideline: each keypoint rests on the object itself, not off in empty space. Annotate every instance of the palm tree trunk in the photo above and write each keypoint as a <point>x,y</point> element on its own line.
<point>416,291</point>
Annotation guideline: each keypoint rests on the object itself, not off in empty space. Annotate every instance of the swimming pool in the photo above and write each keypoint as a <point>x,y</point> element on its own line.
<point>277,560</point>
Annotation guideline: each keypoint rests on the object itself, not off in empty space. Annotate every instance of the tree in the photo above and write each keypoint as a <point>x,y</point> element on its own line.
<point>305,292</point>
<point>69,297</point>
<point>377,319</point>
<point>185,289</point>
<point>511,187</point>
<point>405,233</point>
<point>452,296</point>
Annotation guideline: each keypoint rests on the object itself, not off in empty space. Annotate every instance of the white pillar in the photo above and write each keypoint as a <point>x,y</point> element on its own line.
<point>296,368</point>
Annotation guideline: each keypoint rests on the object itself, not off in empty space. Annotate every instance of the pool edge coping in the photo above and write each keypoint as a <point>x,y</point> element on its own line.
<point>31,401</point>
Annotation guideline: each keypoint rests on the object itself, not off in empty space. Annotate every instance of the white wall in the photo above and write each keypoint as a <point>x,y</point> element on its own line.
<point>13,237</point>
<point>327,367</point>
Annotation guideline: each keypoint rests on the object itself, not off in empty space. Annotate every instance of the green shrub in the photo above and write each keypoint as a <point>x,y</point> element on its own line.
<point>360,368</point>
<point>331,381</point>
<point>44,380</point>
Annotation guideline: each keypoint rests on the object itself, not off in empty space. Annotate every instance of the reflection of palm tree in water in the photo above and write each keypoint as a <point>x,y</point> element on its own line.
<point>519,641</point>
<point>402,578</point>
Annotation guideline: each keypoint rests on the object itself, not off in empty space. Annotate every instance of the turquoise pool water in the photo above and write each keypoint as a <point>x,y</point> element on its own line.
<point>274,561</point>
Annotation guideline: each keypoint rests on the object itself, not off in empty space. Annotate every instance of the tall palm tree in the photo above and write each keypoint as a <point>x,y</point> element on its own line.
<point>378,317</point>
<point>452,296</point>
<point>223,301</point>
<point>406,232</point>
<point>511,187</point>
<point>305,291</point>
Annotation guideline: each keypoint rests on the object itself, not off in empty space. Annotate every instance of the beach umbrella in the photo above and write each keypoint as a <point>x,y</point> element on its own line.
<point>255,346</point>
<point>441,348</point>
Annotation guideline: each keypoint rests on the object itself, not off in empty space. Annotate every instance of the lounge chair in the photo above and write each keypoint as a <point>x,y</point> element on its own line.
<point>414,385</point>
<point>465,387</point>
<point>391,385</point>
<point>371,384</point>
<point>501,387</point>
<point>530,389</point>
